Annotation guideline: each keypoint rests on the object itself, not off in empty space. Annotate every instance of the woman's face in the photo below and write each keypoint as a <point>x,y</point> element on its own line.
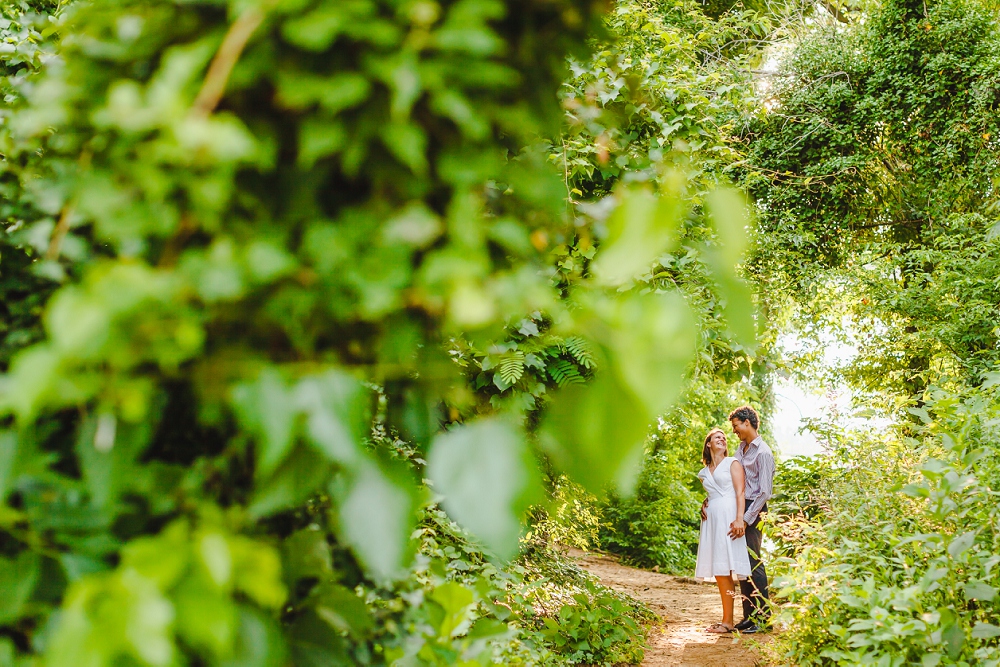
<point>718,445</point>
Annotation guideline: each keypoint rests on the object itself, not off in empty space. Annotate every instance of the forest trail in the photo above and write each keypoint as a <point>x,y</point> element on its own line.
<point>686,607</point>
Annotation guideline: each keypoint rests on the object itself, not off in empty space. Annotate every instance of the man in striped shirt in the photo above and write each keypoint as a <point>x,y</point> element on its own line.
<point>758,464</point>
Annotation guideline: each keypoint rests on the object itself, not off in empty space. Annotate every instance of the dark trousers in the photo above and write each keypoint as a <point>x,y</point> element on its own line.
<point>756,604</point>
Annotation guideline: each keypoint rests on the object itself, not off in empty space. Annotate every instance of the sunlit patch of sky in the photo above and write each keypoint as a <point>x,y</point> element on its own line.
<point>798,401</point>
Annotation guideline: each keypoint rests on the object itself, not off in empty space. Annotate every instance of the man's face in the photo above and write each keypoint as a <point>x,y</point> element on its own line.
<point>741,428</point>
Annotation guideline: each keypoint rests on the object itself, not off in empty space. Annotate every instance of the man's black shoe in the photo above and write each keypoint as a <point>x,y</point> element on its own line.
<point>751,629</point>
<point>744,624</point>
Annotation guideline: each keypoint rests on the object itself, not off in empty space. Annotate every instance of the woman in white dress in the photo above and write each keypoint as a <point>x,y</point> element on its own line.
<point>722,549</point>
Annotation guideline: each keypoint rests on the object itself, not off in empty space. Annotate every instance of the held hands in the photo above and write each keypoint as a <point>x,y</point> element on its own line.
<point>737,528</point>
<point>704,507</point>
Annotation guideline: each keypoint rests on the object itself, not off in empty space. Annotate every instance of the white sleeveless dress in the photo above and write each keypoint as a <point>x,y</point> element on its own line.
<point>718,554</point>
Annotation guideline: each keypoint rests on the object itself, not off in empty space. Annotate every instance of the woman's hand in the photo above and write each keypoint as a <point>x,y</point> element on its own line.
<point>737,528</point>
<point>704,510</point>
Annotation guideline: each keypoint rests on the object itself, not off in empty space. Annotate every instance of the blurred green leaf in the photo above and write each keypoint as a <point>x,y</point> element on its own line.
<point>298,477</point>
<point>486,475</point>
<point>257,571</point>
<point>729,213</point>
<point>306,555</point>
<point>312,644</point>
<point>342,609</point>
<point>267,408</point>
<point>651,341</point>
<point>336,408</point>
<point>952,633</point>
<point>17,581</point>
<point>978,590</point>
<point>377,505</point>
<point>595,432</point>
<point>206,619</point>
<point>985,631</point>
<point>259,642</point>
<point>640,229</point>
<point>408,143</point>
<point>961,543</point>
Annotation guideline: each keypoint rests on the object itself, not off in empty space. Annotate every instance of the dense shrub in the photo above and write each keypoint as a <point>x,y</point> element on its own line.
<point>894,553</point>
<point>658,526</point>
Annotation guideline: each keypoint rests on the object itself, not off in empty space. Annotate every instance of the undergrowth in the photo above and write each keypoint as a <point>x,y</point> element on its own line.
<point>460,604</point>
<point>539,610</point>
<point>890,544</point>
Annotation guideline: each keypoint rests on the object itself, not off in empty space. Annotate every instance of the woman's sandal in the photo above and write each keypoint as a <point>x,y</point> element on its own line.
<point>719,629</point>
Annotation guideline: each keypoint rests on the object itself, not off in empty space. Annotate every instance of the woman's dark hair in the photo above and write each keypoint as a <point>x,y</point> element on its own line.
<point>746,413</point>
<point>706,451</point>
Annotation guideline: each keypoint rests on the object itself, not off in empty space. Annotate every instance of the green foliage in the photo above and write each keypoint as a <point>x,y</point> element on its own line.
<point>592,631</point>
<point>181,586</point>
<point>26,34</point>
<point>584,622</point>
<point>873,169</point>
<point>571,516</point>
<point>525,599</point>
<point>263,235</point>
<point>520,371</point>
<point>799,498</point>
<point>652,100</point>
<point>897,562</point>
<point>458,604</point>
<point>649,530</point>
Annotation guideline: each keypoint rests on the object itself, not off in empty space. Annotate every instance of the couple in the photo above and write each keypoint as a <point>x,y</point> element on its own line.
<point>729,549</point>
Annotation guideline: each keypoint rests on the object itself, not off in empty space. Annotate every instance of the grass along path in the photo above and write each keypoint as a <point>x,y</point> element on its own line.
<point>686,607</point>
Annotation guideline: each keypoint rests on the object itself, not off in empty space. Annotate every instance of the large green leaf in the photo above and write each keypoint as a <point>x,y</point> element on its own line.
<point>595,432</point>
<point>306,555</point>
<point>640,229</point>
<point>17,581</point>
<point>342,609</point>
<point>730,215</point>
<point>259,642</point>
<point>303,473</point>
<point>486,475</point>
<point>337,421</point>
<point>651,340</point>
<point>456,602</point>
<point>267,408</point>
<point>377,512</point>
<point>110,468</point>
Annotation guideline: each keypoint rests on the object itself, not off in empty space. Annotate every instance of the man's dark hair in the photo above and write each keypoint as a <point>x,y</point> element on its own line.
<point>746,413</point>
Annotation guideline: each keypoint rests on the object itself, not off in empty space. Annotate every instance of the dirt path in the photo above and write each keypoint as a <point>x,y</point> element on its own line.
<point>686,608</point>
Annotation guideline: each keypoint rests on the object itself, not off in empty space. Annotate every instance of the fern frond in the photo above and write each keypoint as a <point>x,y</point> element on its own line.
<point>582,351</point>
<point>564,372</point>
<point>512,367</point>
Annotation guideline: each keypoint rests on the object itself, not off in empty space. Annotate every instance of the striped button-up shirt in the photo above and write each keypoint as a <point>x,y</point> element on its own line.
<point>758,463</point>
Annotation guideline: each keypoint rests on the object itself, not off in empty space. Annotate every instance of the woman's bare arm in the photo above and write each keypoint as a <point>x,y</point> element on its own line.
<point>738,527</point>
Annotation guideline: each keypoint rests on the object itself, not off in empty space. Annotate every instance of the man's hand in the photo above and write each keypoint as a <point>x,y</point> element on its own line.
<point>737,528</point>
<point>704,510</point>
